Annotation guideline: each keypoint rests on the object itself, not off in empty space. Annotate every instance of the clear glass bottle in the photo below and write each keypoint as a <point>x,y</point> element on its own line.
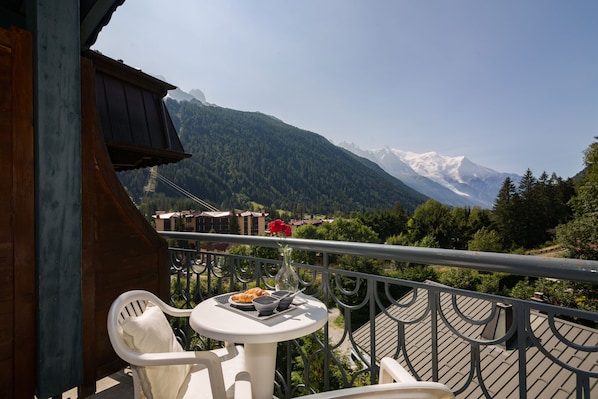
<point>286,279</point>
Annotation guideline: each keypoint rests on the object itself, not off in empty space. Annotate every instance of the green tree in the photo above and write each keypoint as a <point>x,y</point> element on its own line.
<point>339,230</point>
<point>401,239</point>
<point>485,240</point>
<point>479,218</point>
<point>580,235</point>
<point>529,216</point>
<point>386,223</point>
<point>352,230</point>
<point>432,218</point>
<point>428,241</point>
<point>307,231</point>
<point>413,271</point>
<point>526,216</point>
<point>523,289</point>
<point>489,283</point>
<point>560,193</point>
<point>461,227</point>
<point>504,212</point>
<point>473,280</point>
<point>457,277</point>
<point>569,294</point>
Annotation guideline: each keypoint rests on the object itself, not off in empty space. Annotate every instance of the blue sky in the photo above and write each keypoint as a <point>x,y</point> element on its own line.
<point>511,84</point>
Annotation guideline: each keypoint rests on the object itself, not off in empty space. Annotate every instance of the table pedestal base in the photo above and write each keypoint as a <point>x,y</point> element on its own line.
<point>261,360</point>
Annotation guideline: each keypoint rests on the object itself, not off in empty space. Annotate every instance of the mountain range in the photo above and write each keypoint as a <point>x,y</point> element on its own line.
<point>249,157</point>
<point>454,181</point>
<point>241,160</point>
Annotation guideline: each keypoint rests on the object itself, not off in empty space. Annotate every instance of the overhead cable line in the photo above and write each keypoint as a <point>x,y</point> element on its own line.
<point>184,192</point>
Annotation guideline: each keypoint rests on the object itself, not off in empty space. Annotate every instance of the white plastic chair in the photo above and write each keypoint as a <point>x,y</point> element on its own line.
<point>394,382</point>
<point>134,321</point>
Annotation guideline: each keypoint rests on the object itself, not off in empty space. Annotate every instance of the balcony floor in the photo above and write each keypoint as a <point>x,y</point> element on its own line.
<point>116,386</point>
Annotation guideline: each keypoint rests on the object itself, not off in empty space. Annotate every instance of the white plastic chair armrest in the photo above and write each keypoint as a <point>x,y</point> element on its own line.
<point>208,359</point>
<point>391,370</point>
<point>176,312</point>
<point>173,358</point>
<point>397,390</point>
<point>136,295</point>
<point>243,386</point>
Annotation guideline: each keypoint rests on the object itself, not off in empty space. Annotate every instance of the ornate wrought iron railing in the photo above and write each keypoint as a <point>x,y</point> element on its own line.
<point>480,345</point>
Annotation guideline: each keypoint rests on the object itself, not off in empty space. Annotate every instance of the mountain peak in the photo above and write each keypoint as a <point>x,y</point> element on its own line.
<point>454,181</point>
<point>198,94</point>
<point>195,95</point>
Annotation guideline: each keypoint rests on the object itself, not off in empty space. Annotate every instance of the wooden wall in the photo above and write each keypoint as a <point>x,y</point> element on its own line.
<point>17,240</point>
<point>121,250</point>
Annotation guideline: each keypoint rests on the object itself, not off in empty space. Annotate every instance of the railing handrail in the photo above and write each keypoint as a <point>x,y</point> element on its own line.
<point>437,333</point>
<point>522,265</point>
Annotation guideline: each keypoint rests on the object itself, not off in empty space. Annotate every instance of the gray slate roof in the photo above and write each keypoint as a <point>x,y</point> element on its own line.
<point>499,366</point>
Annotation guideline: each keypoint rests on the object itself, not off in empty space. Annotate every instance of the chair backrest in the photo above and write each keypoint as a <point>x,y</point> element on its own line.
<point>138,330</point>
<point>128,304</point>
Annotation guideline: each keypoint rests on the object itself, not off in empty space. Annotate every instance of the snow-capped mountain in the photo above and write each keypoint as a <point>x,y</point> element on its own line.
<point>454,181</point>
<point>193,95</point>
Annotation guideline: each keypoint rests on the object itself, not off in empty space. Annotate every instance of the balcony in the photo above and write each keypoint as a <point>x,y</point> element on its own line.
<point>480,345</point>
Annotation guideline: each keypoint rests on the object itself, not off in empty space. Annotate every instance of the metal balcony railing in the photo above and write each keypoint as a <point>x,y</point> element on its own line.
<point>480,345</point>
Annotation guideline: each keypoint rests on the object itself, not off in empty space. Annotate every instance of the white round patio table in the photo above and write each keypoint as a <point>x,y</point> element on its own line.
<point>211,318</point>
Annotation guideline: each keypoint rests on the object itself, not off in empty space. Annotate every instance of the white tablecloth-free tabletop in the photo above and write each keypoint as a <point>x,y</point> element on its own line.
<point>259,336</point>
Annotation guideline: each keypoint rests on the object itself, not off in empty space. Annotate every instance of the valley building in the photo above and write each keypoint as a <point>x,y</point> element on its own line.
<point>244,223</point>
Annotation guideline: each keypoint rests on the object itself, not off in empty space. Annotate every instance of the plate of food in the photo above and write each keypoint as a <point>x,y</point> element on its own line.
<point>242,300</point>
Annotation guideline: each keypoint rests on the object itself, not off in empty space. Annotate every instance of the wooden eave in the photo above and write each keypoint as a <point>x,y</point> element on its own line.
<point>119,70</point>
<point>127,157</point>
<point>135,123</point>
<point>93,14</point>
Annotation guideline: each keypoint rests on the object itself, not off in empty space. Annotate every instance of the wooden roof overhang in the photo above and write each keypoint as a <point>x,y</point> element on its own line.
<point>137,128</point>
<point>93,16</point>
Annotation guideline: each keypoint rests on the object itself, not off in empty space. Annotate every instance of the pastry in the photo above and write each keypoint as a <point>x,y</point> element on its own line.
<point>247,296</point>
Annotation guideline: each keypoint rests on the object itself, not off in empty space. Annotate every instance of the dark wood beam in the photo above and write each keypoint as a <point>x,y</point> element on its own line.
<point>57,118</point>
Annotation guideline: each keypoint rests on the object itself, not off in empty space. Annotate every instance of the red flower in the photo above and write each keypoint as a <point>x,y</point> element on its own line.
<point>278,226</point>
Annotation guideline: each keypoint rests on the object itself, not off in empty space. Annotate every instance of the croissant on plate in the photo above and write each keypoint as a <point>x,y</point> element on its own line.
<point>247,296</point>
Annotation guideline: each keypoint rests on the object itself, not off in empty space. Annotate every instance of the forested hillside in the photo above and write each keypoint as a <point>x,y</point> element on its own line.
<point>242,157</point>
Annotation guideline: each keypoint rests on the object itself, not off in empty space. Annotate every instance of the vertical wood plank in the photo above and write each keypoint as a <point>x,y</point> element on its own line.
<point>89,125</point>
<point>58,194</point>
<point>17,256</point>
<point>24,209</point>
<point>7,288</point>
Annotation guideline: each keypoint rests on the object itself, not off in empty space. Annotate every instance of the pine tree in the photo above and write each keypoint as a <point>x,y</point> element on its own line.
<point>528,212</point>
<point>503,212</point>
